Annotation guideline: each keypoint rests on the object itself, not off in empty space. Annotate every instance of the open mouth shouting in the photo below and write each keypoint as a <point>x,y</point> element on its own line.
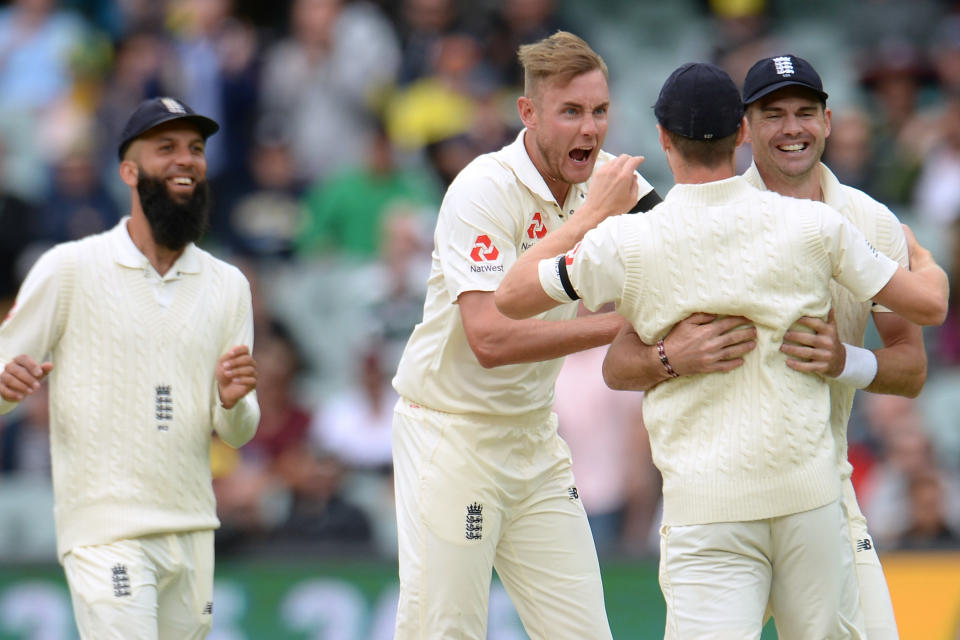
<point>581,155</point>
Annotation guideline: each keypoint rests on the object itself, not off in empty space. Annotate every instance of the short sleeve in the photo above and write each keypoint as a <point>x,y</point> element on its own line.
<point>891,240</point>
<point>855,263</point>
<point>474,236</point>
<point>595,266</point>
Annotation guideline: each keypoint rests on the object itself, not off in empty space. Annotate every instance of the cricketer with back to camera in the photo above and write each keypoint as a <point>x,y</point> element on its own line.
<point>752,509</point>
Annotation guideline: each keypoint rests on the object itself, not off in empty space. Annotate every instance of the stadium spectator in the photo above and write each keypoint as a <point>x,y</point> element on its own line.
<point>345,211</point>
<point>78,203</point>
<point>323,80</point>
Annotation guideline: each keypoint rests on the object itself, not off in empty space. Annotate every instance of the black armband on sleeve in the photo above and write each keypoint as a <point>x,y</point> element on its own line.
<point>565,278</point>
<point>647,202</point>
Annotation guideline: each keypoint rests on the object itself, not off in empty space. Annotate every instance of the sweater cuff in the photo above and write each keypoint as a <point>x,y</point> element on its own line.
<point>237,426</point>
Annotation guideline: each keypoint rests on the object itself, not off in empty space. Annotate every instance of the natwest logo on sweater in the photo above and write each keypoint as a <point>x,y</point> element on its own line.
<point>484,250</point>
<point>537,229</point>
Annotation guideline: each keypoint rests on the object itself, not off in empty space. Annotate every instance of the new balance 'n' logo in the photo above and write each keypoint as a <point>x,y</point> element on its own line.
<point>474,521</point>
<point>573,493</point>
<point>207,609</point>
<point>121,580</point>
<point>864,544</point>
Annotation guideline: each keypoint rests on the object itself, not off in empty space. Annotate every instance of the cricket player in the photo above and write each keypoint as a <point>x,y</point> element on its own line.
<point>788,124</point>
<point>482,478</point>
<point>751,490</point>
<point>150,343</point>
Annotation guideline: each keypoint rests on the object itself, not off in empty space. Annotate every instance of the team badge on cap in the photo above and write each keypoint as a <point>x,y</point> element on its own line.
<point>783,65</point>
<point>771,74</point>
<point>156,111</point>
<point>172,105</point>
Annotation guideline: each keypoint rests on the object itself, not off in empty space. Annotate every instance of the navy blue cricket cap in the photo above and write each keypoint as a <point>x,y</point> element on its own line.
<point>156,111</point>
<point>699,101</point>
<point>771,74</point>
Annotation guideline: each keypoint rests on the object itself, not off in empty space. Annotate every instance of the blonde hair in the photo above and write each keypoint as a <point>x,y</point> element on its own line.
<point>560,57</point>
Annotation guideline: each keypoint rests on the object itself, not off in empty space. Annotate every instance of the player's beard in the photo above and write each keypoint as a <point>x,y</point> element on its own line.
<point>174,222</point>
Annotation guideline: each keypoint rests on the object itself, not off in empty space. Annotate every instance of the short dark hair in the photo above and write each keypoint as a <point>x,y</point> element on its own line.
<point>710,153</point>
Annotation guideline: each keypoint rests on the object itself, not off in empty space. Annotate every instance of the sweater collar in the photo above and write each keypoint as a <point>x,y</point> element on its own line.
<point>128,255</point>
<point>710,193</point>
<point>833,193</point>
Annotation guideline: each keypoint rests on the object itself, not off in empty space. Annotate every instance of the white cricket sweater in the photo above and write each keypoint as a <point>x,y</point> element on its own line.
<point>755,442</point>
<point>133,395</point>
<point>882,229</point>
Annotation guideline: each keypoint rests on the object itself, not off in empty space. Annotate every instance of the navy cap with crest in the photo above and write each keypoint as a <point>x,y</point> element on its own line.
<point>770,74</point>
<point>156,111</point>
<point>699,101</point>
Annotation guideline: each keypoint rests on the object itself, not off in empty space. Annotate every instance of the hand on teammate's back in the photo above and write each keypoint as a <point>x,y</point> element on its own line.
<point>703,343</point>
<point>819,350</point>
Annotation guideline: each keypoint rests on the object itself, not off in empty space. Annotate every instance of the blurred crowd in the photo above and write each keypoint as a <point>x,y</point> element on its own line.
<point>342,122</point>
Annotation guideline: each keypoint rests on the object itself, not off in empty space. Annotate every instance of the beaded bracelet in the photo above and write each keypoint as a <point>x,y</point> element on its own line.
<point>666,363</point>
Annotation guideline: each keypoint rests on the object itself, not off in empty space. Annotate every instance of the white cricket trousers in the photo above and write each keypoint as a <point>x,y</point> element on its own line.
<point>150,588</point>
<point>474,493</point>
<point>874,594</point>
<point>717,579</point>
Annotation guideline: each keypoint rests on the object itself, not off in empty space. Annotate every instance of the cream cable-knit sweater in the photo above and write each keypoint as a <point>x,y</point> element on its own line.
<point>755,442</point>
<point>882,228</point>
<point>133,396</point>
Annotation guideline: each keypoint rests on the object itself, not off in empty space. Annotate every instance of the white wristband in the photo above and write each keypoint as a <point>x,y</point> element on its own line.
<point>860,368</point>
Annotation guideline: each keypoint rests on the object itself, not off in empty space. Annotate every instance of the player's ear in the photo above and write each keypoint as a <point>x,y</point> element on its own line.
<point>129,172</point>
<point>743,133</point>
<point>746,124</point>
<point>664,138</point>
<point>528,112</point>
<point>827,115</point>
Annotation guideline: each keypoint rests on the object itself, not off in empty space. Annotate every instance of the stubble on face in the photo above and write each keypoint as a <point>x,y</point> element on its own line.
<point>788,132</point>
<point>572,125</point>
